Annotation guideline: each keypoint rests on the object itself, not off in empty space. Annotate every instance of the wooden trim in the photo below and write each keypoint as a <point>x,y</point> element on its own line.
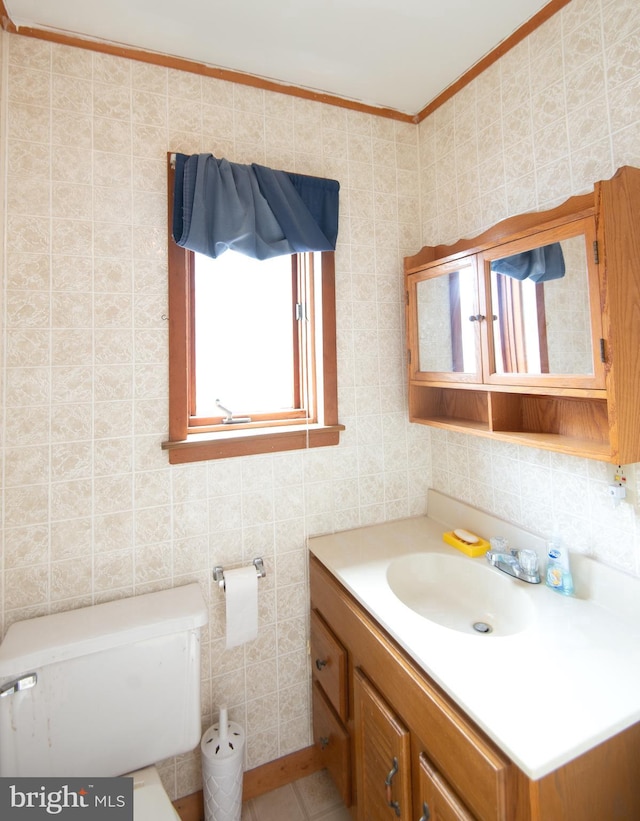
<point>532,390</point>
<point>492,57</point>
<point>280,772</point>
<point>178,263</point>
<point>201,446</point>
<point>203,69</point>
<point>206,70</point>
<point>329,340</point>
<point>190,807</point>
<point>214,424</point>
<point>310,342</point>
<point>7,23</point>
<point>618,205</point>
<point>296,334</point>
<point>542,328</point>
<point>258,781</point>
<point>511,228</point>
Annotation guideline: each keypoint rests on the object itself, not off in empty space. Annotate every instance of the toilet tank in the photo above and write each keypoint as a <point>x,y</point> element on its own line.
<point>117,686</point>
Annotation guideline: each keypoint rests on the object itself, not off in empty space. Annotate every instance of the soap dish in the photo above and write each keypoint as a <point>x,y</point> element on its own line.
<point>467,542</point>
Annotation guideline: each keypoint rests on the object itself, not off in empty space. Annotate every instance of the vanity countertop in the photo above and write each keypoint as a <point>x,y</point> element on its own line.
<point>545,695</point>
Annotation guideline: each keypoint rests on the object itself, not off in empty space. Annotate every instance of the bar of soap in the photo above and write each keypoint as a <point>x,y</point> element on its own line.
<point>467,542</point>
<point>465,536</point>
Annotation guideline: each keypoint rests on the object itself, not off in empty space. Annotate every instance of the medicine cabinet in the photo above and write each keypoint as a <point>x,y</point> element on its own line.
<point>530,332</point>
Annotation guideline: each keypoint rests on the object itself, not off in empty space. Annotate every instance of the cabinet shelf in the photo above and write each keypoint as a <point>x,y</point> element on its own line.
<point>466,408</point>
<point>575,425</point>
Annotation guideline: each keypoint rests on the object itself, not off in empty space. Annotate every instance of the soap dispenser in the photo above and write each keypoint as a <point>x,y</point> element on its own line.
<point>558,567</point>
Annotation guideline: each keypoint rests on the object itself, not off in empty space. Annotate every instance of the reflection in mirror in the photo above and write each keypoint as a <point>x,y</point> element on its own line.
<point>446,337</point>
<point>541,303</point>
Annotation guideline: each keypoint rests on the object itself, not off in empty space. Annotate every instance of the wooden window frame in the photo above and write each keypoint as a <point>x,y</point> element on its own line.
<point>190,443</point>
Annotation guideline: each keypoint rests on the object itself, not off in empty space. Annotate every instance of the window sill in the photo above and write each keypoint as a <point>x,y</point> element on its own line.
<point>199,447</point>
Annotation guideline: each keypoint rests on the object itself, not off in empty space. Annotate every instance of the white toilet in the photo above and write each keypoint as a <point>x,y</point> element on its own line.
<point>105,691</point>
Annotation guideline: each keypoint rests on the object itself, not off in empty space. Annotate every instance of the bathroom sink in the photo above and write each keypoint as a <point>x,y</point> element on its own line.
<point>460,593</point>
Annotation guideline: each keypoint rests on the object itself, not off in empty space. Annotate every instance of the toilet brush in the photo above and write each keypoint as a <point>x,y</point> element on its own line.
<point>222,753</point>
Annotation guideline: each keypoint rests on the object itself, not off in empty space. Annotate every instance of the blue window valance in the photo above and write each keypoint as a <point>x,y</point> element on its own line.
<point>539,264</point>
<point>259,212</point>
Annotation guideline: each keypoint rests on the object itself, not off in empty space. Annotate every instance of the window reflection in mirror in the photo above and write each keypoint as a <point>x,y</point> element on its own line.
<point>446,337</point>
<point>542,320</point>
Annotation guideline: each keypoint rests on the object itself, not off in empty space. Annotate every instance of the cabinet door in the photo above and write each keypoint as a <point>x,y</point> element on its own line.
<point>383,757</point>
<point>438,801</point>
<point>445,322</point>
<point>543,299</point>
<point>332,740</point>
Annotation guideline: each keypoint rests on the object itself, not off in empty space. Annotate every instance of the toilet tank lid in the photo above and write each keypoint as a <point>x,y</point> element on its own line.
<point>34,643</point>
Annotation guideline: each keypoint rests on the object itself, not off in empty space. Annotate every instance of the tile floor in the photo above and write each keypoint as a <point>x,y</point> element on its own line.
<point>313,798</point>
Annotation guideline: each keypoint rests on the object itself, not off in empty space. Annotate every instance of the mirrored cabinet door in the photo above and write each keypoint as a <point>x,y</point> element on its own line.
<point>445,317</point>
<point>544,302</point>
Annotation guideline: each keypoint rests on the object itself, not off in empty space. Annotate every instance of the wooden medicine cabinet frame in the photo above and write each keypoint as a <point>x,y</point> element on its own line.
<point>593,415</point>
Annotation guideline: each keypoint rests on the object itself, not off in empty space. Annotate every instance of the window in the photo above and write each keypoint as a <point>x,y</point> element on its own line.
<point>276,393</point>
<point>249,348</point>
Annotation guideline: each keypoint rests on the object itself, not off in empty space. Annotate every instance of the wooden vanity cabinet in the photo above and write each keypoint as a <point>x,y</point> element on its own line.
<point>394,712</point>
<point>404,741</point>
<point>549,364</point>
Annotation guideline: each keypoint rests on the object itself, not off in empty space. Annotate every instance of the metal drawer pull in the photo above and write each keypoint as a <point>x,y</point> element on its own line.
<point>320,663</point>
<point>387,782</point>
<point>426,812</point>
<point>23,683</point>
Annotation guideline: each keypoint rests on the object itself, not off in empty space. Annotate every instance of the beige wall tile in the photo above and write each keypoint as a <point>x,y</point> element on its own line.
<point>26,586</point>
<point>26,546</point>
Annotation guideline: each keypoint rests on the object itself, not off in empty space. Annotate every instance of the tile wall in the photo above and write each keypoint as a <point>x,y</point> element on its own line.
<point>555,114</point>
<point>92,510</point>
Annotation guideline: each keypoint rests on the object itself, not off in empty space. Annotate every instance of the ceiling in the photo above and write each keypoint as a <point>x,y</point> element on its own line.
<point>398,54</point>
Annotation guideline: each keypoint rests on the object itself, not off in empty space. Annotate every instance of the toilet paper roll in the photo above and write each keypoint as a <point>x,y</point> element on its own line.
<point>241,593</point>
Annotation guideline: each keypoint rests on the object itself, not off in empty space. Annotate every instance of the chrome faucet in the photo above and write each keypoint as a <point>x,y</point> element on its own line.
<point>521,564</point>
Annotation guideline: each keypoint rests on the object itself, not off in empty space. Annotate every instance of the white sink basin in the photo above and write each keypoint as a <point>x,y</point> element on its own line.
<point>459,592</point>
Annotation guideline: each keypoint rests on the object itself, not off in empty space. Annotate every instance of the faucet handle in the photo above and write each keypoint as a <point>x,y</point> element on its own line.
<point>499,544</point>
<point>528,561</point>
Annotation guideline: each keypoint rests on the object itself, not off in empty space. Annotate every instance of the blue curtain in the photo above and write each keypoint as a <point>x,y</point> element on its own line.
<point>538,264</point>
<point>251,209</point>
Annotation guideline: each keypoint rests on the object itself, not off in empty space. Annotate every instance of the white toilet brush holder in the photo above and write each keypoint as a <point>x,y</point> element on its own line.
<point>222,749</point>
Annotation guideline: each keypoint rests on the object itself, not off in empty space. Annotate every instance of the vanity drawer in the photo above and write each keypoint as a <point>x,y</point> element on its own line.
<point>329,664</point>
<point>331,738</point>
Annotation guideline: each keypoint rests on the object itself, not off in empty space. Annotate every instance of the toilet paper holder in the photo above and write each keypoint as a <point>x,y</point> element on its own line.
<point>218,572</point>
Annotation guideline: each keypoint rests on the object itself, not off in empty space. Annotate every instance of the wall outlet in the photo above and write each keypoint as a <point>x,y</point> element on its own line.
<point>619,477</point>
<point>617,490</point>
